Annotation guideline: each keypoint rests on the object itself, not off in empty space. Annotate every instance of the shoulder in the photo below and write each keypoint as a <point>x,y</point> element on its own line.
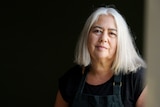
<point>139,79</point>
<point>68,82</point>
<point>134,83</point>
<point>72,73</point>
<point>138,74</point>
<point>136,79</point>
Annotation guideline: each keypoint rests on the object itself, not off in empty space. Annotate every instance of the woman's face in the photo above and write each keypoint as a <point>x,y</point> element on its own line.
<point>102,40</point>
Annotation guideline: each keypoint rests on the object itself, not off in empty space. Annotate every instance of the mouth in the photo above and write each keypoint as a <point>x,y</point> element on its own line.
<point>101,47</point>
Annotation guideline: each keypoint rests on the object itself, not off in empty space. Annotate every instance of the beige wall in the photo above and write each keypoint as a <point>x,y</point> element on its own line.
<point>152,51</point>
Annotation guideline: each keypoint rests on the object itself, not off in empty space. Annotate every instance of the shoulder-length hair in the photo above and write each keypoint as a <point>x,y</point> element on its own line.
<point>127,58</point>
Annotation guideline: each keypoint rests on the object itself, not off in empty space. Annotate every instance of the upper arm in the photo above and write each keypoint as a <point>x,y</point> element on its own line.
<point>141,99</point>
<point>60,102</point>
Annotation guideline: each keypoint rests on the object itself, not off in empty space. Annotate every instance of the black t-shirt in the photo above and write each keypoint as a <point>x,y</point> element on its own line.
<point>133,85</point>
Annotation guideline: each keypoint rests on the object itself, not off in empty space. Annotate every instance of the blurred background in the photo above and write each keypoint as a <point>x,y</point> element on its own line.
<point>37,45</point>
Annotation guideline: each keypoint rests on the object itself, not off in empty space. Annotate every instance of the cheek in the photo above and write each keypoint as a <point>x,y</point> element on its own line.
<point>90,40</point>
<point>114,46</point>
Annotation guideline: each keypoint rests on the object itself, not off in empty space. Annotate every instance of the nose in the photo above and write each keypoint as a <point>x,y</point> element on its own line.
<point>104,38</point>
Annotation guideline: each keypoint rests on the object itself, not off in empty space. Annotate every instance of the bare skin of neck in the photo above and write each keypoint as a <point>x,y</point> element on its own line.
<point>99,73</point>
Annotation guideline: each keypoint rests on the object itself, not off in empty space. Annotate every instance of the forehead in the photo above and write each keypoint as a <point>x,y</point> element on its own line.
<point>105,21</point>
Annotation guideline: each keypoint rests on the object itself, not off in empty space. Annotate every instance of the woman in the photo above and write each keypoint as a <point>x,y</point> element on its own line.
<point>108,71</point>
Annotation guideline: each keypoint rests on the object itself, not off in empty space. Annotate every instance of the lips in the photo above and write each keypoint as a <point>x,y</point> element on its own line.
<point>101,47</point>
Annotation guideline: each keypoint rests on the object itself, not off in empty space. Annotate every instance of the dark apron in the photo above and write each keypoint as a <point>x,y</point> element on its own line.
<point>88,100</point>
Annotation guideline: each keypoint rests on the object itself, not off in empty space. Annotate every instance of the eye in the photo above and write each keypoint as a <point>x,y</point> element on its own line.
<point>97,31</point>
<point>113,34</point>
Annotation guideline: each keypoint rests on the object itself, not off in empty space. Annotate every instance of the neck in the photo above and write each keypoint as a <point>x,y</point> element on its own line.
<point>100,68</point>
<point>99,74</point>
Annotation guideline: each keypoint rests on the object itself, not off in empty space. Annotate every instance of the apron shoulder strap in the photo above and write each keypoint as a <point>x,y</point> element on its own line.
<point>82,81</point>
<point>117,83</point>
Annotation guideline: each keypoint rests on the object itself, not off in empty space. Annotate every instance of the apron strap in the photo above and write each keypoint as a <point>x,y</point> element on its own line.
<point>82,82</point>
<point>117,84</point>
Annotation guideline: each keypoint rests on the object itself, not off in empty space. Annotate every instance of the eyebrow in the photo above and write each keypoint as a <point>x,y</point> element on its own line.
<point>102,28</point>
<point>113,29</point>
<point>97,27</point>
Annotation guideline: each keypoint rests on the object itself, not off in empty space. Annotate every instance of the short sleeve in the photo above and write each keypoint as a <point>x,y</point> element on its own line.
<point>68,83</point>
<point>133,85</point>
<point>139,82</point>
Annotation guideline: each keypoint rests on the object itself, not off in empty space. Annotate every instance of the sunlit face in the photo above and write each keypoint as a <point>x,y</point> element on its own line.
<point>102,40</point>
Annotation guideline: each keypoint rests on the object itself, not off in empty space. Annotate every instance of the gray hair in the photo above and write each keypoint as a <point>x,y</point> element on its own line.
<point>127,58</point>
